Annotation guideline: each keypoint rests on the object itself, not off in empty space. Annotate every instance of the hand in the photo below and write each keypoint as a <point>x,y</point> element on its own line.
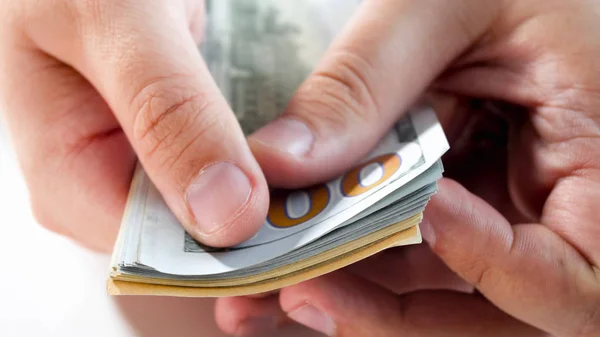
<point>529,242</point>
<point>90,85</point>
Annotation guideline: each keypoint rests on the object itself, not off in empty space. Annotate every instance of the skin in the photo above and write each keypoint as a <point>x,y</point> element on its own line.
<point>521,225</point>
<point>89,86</point>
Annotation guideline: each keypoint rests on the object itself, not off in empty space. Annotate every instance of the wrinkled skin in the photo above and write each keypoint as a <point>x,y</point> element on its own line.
<point>88,86</point>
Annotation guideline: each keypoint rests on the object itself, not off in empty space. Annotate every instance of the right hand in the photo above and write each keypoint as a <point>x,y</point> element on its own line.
<point>89,85</point>
<point>522,228</point>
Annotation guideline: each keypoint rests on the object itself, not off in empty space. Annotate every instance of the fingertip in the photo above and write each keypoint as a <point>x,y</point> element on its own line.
<point>449,190</point>
<point>296,150</point>
<point>454,215</point>
<point>285,150</point>
<point>287,135</point>
<point>322,303</point>
<point>240,224</point>
<point>227,314</point>
<point>285,170</point>
<point>309,304</point>
<point>281,169</point>
<point>310,291</point>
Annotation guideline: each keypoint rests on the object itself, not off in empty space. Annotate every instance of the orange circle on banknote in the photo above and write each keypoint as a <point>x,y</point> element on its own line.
<point>351,186</point>
<point>278,214</point>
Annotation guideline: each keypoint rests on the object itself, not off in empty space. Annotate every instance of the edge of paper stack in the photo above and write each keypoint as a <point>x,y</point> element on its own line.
<point>118,286</point>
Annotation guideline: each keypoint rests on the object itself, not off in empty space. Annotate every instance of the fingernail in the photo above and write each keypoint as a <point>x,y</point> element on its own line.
<point>427,231</point>
<point>288,135</point>
<point>311,317</point>
<point>218,193</point>
<point>256,326</point>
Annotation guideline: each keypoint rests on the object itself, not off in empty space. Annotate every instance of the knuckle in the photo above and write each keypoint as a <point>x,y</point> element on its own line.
<point>339,93</point>
<point>168,120</point>
<point>476,273</point>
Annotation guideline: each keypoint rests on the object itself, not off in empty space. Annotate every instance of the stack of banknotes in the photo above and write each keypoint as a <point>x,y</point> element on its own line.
<point>259,52</point>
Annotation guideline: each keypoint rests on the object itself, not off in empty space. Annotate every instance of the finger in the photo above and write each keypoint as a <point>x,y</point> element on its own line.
<point>526,270</point>
<point>244,316</point>
<point>344,306</point>
<point>151,74</point>
<point>376,69</point>
<point>76,160</point>
<point>408,269</point>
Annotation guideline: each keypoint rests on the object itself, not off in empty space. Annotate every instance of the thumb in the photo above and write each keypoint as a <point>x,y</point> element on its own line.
<point>385,58</point>
<point>526,270</point>
<point>151,74</point>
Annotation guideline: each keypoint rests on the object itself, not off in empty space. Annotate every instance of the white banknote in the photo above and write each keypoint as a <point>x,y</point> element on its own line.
<point>291,226</point>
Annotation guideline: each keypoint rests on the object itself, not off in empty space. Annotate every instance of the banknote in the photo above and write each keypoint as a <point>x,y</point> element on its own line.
<point>259,52</point>
<point>323,208</point>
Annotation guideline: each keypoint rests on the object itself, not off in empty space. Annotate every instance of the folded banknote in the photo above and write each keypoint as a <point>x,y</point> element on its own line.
<point>259,52</point>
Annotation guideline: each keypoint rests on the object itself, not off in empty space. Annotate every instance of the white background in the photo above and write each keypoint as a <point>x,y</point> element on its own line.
<point>50,287</point>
